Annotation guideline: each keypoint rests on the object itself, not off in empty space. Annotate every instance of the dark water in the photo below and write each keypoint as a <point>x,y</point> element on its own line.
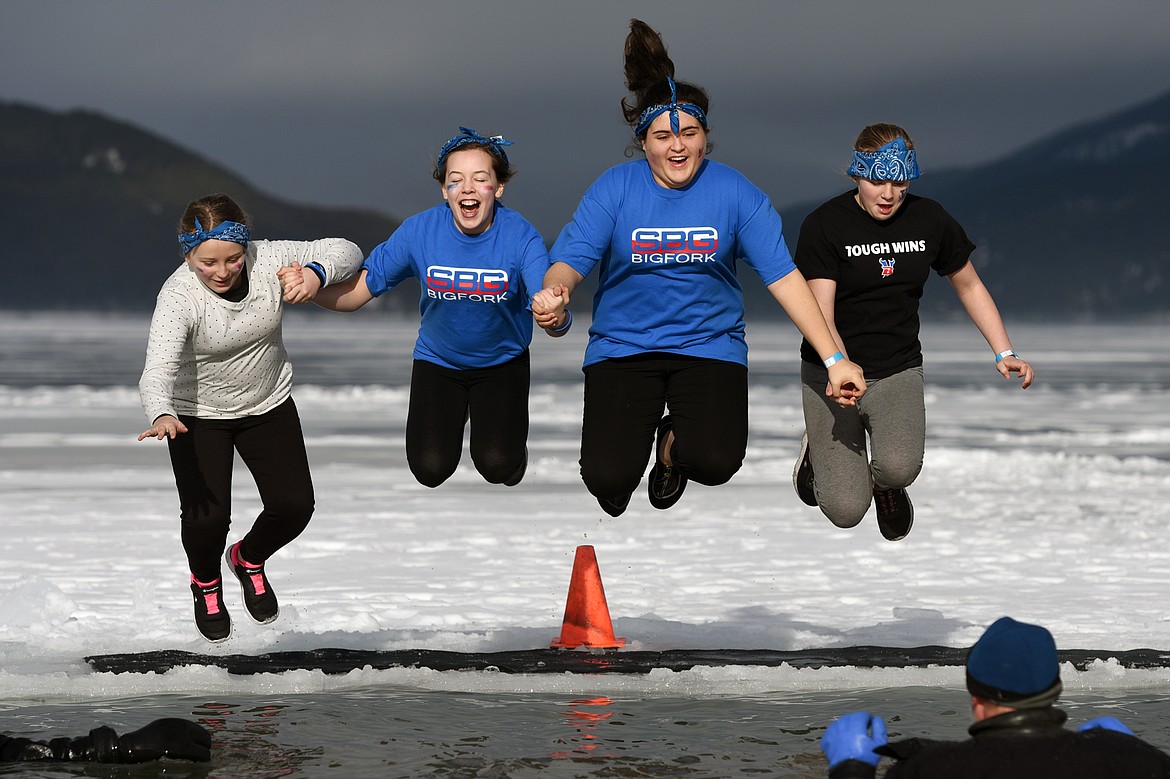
<point>396,732</point>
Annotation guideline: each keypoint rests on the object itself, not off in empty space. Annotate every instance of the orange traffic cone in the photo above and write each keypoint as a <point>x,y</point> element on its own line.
<point>586,613</point>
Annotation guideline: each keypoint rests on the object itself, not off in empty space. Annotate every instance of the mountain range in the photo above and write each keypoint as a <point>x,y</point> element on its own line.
<point>1067,227</point>
<point>89,207</point>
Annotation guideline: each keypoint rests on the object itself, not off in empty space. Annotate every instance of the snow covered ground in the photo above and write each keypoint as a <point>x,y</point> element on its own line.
<point>1049,505</point>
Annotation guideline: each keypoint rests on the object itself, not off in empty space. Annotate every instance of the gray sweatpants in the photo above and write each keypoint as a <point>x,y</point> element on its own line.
<point>893,414</point>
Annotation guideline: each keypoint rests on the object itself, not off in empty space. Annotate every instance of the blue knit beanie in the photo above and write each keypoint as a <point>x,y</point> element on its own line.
<point>1015,664</point>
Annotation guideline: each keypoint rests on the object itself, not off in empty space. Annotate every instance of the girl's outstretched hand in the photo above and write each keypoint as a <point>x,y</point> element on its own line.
<point>1009,365</point>
<point>165,426</point>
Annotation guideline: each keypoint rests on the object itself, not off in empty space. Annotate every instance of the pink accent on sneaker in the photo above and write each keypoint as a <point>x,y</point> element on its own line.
<point>210,599</point>
<point>254,572</point>
<point>238,560</point>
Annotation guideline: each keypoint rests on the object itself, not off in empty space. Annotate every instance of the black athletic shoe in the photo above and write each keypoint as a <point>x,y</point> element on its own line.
<point>211,616</point>
<point>895,513</point>
<point>259,599</point>
<point>666,482</point>
<point>615,508</point>
<point>515,478</point>
<point>802,475</point>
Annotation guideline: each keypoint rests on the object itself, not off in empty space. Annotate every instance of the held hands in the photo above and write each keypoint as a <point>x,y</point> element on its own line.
<point>165,426</point>
<point>1105,723</point>
<point>178,739</point>
<point>846,383</point>
<point>548,307</point>
<point>1015,365</point>
<point>854,736</point>
<point>298,286</point>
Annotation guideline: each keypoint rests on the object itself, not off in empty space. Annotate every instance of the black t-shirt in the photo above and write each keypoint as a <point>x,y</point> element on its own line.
<point>881,268</point>
<point>1093,754</point>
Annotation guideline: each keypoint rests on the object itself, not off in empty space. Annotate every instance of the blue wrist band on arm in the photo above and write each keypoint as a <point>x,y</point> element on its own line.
<point>836,358</point>
<point>565,326</point>
<point>316,268</point>
<point>1009,353</point>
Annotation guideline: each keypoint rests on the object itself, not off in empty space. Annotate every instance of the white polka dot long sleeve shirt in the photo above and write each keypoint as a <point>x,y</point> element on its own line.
<point>210,357</point>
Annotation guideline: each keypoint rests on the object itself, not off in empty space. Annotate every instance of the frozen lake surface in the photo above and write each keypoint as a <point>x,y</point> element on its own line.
<point>1047,504</point>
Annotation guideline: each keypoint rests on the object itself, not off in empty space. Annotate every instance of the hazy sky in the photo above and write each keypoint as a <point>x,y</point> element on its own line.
<point>345,103</point>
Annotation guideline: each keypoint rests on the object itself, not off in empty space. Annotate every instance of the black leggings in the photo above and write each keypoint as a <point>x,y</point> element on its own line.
<point>442,399</point>
<point>272,446</point>
<point>624,400</point>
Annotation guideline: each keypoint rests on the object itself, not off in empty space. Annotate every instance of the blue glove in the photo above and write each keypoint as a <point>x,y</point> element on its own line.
<point>1106,723</point>
<point>854,736</point>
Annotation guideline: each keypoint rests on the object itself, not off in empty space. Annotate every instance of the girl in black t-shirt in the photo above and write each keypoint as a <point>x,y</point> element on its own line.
<point>867,255</point>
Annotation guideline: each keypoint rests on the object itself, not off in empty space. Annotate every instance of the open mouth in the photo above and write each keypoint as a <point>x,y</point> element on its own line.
<point>469,209</point>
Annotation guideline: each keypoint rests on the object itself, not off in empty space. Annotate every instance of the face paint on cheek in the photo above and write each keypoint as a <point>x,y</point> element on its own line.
<point>235,266</point>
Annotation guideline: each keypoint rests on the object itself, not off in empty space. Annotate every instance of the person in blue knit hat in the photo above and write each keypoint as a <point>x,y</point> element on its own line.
<point>1013,677</point>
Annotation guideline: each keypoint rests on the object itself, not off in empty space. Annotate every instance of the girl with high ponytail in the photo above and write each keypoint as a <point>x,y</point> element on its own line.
<point>665,232</point>
<point>648,67</point>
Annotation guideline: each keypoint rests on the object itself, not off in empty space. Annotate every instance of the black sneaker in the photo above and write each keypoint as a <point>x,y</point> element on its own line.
<point>802,475</point>
<point>259,599</point>
<point>895,513</point>
<point>666,482</point>
<point>515,478</point>
<point>615,508</point>
<point>211,616</point>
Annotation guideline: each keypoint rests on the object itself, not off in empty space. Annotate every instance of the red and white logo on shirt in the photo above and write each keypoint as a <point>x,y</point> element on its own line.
<point>673,244</point>
<point>488,285</point>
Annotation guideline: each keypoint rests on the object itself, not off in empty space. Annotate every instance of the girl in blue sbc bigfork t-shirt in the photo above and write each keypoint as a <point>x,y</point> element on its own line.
<point>478,264</point>
<point>664,233</point>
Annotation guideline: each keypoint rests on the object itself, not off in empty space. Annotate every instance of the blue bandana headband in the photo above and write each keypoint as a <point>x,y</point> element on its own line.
<point>224,231</point>
<point>892,162</point>
<point>653,112</point>
<point>496,143</point>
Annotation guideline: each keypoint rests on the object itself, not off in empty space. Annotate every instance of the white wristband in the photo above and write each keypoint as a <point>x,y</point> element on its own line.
<point>1008,353</point>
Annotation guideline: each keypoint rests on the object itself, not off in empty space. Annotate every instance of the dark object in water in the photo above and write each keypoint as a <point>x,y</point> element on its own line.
<point>340,661</point>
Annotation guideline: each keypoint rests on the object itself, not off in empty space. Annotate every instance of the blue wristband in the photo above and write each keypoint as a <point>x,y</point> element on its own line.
<point>836,358</point>
<point>316,268</point>
<point>565,326</point>
<point>1008,353</point>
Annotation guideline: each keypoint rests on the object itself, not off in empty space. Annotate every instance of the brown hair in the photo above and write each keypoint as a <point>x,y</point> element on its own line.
<point>503,169</point>
<point>211,211</point>
<point>875,136</point>
<point>647,68</point>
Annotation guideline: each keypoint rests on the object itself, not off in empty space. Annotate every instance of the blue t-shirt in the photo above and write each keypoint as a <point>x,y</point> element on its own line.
<point>476,290</point>
<point>668,258</point>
